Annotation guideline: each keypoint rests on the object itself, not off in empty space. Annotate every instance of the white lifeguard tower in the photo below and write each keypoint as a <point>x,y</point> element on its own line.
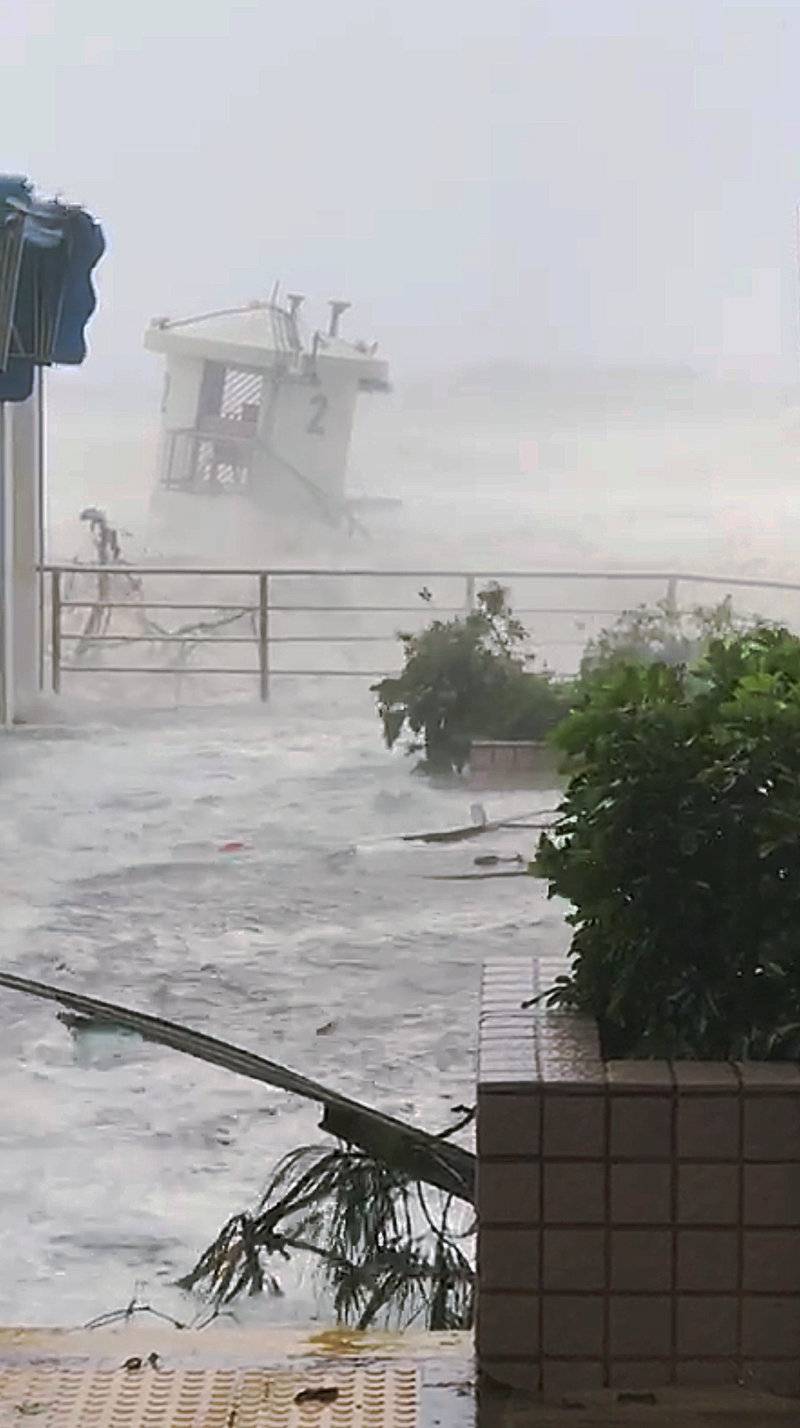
<point>257,416</point>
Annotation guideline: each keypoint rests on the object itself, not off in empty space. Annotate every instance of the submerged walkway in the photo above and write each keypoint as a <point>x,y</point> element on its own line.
<point>240,872</point>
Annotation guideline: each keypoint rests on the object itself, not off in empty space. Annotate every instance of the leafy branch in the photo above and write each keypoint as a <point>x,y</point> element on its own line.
<point>383,1252</point>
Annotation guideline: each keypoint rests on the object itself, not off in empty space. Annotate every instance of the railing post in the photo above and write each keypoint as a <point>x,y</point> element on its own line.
<point>671,601</point>
<point>469,597</point>
<point>55,630</point>
<point>263,635</point>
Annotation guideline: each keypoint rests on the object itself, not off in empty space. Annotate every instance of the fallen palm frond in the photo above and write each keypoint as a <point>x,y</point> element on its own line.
<point>475,877</point>
<point>382,1252</point>
<point>360,1208</point>
<point>409,1151</point>
<point>450,835</point>
<point>474,830</point>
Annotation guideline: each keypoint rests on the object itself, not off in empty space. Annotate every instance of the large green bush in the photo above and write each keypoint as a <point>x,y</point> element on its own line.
<point>465,679</point>
<point>678,845</point>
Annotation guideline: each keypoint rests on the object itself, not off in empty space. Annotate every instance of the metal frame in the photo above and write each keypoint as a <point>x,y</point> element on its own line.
<point>264,607</point>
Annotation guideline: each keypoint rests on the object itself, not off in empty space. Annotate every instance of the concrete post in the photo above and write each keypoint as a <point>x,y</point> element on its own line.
<point>23,512</point>
<point>6,603</point>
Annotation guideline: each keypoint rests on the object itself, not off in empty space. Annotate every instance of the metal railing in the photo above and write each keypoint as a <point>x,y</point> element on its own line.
<point>267,607</point>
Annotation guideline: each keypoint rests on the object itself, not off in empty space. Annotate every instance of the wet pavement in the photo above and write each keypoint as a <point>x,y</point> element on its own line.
<point>224,1377</point>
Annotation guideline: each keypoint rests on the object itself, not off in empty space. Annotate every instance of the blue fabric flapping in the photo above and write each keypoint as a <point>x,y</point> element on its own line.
<point>48,252</point>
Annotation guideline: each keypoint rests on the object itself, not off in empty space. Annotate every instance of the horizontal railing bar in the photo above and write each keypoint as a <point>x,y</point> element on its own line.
<point>159,605</point>
<point>154,669</point>
<point>425,610</point>
<point>561,610</point>
<point>161,639</point>
<point>417,574</point>
<point>329,609</point>
<point>335,673</point>
<point>232,640</point>
<point>386,639</point>
<point>646,576</point>
<point>216,669</point>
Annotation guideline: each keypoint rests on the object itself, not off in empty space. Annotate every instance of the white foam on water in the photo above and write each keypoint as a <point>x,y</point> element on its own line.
<point>119,1160</point>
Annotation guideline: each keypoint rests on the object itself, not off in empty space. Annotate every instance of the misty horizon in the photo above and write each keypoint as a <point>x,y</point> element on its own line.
<point>538,182</point>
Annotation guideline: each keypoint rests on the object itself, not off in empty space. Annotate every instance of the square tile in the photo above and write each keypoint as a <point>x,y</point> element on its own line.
<point>708,1194</point>
<point>504,1026</point>
<point>572,1074</point>
<point>508,1123</point>
<point>574,1126</point>
<point>781,1377</point>
<point>509,1064</point>
<point>508,1192</point>
<point>772,1262</point>
<point>708,1260</point>
<point>641,1126</point>
<point>572,1325</point>
<point>708,1127</point>
<point>508,1373</point>
<point>643,1374</point>
<point>507,1325</point>
<point>769,1076</point>
<point>639,1076</point>
<point>771,1326</point>
<point>508,1259</point>
<point>574,1193</point>
<point>641,1260</point>
<point>574,1259</point>
<point>772,1127</point>
<point>496,1002</point>
<point>706,1076</point>
<point>641,1194</point>
<point>772,1194</point>
<point>706,1326</point>
<point>571,1376</point>
<point>699,1373</point>
<point>569,1031</point>
<point>641,1326</point>
<point>499,1076</point>
<point>568,1049</point>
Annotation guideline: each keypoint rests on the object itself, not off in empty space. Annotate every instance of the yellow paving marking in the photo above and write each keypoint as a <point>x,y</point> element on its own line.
<point>50,1395</point>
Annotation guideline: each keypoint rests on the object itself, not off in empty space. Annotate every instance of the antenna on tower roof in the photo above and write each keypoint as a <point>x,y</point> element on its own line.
<point>337,308</point>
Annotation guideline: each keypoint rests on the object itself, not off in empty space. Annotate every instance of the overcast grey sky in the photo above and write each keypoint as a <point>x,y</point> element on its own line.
<point>550,180</point>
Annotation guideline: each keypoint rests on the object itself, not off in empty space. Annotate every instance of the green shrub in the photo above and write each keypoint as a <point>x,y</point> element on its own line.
<point>465,679</point>
<point>678,845</point>
<point>661,634</point>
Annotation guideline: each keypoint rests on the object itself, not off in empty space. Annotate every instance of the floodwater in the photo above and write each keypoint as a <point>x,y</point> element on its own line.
<point>324,942</point>
<point>315,945</point>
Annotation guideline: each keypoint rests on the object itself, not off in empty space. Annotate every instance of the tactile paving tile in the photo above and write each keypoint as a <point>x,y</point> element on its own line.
<point>52,1396</point>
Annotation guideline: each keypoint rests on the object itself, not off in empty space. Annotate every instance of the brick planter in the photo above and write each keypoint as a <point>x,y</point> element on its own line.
<point>638,1221</point>
<point>512,763</point>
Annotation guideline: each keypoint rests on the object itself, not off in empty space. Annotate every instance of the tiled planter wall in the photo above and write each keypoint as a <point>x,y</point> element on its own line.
<point>517,763</point>
<point>638,1222</point>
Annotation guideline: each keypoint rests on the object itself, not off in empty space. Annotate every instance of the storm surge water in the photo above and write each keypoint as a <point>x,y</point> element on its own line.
<point>239,869</point>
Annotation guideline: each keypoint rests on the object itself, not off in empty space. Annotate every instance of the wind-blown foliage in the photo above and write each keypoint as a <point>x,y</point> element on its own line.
<point>678,845</point>
<point>661,634</point>
<point>388,1249</point>
<point>465,679</point>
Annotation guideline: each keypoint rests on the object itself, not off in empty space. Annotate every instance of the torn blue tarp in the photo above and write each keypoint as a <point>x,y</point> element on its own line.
<point>48,251</point>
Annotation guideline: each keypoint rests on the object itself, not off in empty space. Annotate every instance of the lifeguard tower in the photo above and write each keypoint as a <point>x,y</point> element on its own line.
<point>258,413</point>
